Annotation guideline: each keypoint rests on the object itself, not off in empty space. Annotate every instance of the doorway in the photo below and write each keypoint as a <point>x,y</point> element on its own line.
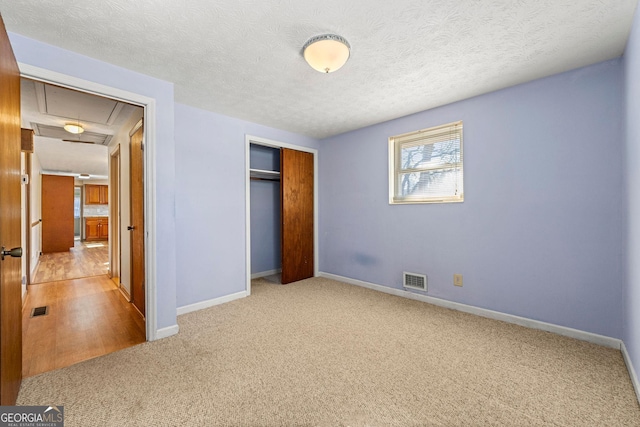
<point>307,265</point>
<point>77,212</point>
<point>94,218</point>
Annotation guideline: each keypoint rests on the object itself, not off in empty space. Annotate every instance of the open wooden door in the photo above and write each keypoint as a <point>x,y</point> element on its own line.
<point>10,225</point>
<point>57,213</point>
<point>137,221</point>
<point>296,181</point>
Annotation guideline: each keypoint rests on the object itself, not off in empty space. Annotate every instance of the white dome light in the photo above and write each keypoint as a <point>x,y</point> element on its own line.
<point>326,53</point>
<point>71,128</point>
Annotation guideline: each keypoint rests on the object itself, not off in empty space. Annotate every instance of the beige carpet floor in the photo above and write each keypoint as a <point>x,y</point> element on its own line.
<point>323,353</point>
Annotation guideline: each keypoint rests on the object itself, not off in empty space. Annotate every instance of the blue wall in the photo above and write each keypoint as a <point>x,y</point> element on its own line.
<point>632,169</point>
<point>210,202</point>
<point>52,58</point>
<point>543,232</point>
<point>265,226</point>
<point>539,234</point>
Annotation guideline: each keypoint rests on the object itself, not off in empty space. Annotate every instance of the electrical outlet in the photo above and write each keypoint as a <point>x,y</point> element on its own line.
<point>457,279</point>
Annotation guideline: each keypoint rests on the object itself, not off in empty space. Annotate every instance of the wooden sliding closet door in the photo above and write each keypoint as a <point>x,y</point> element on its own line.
<point>296,181</point>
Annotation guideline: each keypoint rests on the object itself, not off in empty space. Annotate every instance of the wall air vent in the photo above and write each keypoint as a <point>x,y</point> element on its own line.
<point>40,311</point>
<point>414,281</point>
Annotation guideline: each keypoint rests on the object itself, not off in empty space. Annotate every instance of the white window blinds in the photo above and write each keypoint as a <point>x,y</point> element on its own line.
<point>426,166</point>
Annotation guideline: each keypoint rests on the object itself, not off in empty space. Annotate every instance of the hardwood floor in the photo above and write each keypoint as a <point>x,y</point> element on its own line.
<point>83,260</point>
<point>86,318</point>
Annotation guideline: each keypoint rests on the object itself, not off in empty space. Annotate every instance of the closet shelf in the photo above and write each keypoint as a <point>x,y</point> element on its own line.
<point>264,174</point>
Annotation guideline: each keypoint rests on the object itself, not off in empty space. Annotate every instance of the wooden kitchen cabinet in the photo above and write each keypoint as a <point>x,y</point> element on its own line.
<point>104,229</point>
<point>96,194</point>
<point>96,229</point>
<point>91,194</point>
<point>91,231</point>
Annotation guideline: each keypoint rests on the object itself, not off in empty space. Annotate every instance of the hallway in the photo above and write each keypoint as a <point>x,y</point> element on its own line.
<point>85,318</point>
<point>83,260</point>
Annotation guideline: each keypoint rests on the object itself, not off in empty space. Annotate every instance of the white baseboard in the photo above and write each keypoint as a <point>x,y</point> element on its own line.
<point>266,273</point>
<point>210,303</point>
<point>632,372</point>
<point>166,332</point>
<point>509,318</point>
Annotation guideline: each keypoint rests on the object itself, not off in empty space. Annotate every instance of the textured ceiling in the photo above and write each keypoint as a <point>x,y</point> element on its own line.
<point>243,58</point>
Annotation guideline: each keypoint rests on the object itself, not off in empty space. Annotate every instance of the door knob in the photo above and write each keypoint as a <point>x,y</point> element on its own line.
<point>14,252</point>
<point>130,227</point>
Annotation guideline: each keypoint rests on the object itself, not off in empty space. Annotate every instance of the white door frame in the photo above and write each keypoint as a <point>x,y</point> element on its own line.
<point>149,105</point>
<point>249,139</point>
<point>115,226</point>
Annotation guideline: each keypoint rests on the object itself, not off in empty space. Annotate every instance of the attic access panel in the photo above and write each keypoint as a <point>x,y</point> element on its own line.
<point>72,104</point>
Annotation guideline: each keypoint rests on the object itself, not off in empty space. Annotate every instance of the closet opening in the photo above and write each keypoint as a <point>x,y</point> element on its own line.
<point>281,212</point>
<point>266,215</point>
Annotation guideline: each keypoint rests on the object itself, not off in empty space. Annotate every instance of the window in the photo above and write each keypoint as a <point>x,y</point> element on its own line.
<point>426,166</point>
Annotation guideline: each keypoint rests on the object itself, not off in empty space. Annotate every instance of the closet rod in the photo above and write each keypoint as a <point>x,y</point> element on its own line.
<point>253,178</point>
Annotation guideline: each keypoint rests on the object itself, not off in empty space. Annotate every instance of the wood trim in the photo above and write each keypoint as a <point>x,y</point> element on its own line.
<point>124,292</point>
<point>26,140</point>
<point>136,309</point>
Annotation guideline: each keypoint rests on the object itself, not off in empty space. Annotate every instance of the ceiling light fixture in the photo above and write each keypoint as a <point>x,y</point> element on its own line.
<point>75,129</point>
<point>84,176</point>
<point>326,53</point>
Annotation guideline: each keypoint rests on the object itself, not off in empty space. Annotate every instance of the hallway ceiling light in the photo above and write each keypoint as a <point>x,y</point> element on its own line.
<point>84,176</point>
<point>326,53</point>
<point>75,129</point>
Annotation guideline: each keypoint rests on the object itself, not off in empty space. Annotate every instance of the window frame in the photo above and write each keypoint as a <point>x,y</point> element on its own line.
<point>395,169</point>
